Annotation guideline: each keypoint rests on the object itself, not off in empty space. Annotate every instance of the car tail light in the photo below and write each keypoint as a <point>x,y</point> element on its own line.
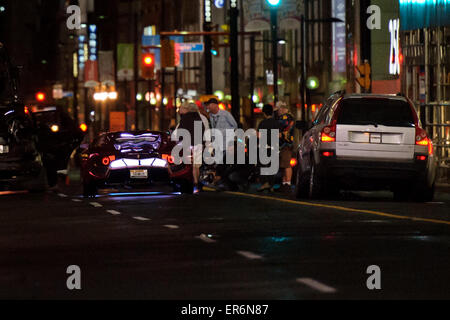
<point>328,134</point>
<point>421,158</point>
<point>107,160</point>
<point>423,140</point>
<point>293,162</point>
<point>168,158</point>
<point>328,154</point>
<point>83,127</point>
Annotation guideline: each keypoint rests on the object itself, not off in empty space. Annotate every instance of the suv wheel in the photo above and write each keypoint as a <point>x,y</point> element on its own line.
<point>90,189</point>
<point>315,183</point>
<point>424,193</point>
<point>302,184</point>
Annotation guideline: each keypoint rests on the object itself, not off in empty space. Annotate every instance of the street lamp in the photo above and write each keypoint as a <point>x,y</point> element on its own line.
<point>274,4</point>
<point>103,98</point>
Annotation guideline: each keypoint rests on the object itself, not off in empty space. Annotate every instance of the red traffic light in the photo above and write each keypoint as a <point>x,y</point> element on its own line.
<point>148,66</point>
<point>40,96</point>
<point>149,60</point>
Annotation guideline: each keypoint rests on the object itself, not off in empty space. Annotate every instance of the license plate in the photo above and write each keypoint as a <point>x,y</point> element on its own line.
<point>139,174</point>
<point>375,138</point>
<point>4,149</point>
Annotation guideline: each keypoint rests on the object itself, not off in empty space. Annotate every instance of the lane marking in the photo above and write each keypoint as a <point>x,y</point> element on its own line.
<point>435,202</point>
<point>141,219</point>
<point>340,208</point>
<point>62,195</point>
<point>113,212</point>
<point>316,285</point>
<point>77,200</point>
<point>205,238</point>
<point>249,255</point>
<point>96,204</point>
<point>171,226</point>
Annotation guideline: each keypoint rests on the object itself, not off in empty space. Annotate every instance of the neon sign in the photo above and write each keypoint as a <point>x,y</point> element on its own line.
<point>394,57</point>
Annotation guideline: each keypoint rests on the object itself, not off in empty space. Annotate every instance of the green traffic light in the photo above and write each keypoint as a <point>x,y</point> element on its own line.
<point>312,83</point>
<point>214,52</point>
<point>274,3</point>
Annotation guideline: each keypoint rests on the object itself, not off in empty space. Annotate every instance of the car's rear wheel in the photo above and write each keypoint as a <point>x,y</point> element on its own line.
<point>90,189</point>
<point>424,193</point>
<point>315,190</point>
<point>187,187</point>
<point>183,186</point>
<point>402,193</point>
<point>302,184</point>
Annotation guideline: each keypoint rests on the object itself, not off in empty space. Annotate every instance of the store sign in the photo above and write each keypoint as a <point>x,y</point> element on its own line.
<point>208,14</point>
<point>270,78</point>
<point>338,36</point>
<point>92,42</point>
<point>418,14</point>
<point>219,3</point>
<point>394,57</point>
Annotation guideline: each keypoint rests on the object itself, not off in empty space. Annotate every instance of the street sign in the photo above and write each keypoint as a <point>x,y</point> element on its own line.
<point>167,53</point>
<point>190,47</point>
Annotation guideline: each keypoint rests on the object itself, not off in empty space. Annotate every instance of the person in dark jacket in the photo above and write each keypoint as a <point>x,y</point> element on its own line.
<point>189,116</point>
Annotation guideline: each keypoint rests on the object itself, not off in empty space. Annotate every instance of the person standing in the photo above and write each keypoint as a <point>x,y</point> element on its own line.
<point>189,116</point>
<point>269,123</point>
<point>222,121</point>
<point>287,125</point>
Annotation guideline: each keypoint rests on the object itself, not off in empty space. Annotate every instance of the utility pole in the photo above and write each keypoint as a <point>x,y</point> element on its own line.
<point>274,29</point>
<point>274,4</point>
<point>303,69</point>
<point>75,89</point>
<point>234,52</point>
<point>136,69</point>
<point>208,47</point>
<point>252,77</point>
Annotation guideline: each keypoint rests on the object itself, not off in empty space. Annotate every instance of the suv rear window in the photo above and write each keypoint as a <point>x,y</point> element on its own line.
<point>386,112</point>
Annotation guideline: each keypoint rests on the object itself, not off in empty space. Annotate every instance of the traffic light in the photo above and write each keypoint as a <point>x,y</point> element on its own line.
<point>365,72</point>
<point>148,66</point>
<point>215,46</point>
<point>312,83</point>
<point>167,53</point>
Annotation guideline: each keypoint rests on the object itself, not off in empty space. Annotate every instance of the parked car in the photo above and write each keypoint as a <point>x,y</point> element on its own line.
<point>132,159</point>
<point>59,135</point>
<point>366,142</point>
<point>21,162</point>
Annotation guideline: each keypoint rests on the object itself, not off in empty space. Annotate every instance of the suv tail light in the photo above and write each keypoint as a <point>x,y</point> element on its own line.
<point>328,134</point>
<point>423,140</point>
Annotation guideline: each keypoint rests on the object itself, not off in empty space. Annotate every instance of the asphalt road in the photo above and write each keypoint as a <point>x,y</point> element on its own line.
<point>222,246</point>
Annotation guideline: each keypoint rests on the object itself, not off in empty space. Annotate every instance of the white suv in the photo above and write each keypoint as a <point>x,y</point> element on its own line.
<point>366,142</point>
